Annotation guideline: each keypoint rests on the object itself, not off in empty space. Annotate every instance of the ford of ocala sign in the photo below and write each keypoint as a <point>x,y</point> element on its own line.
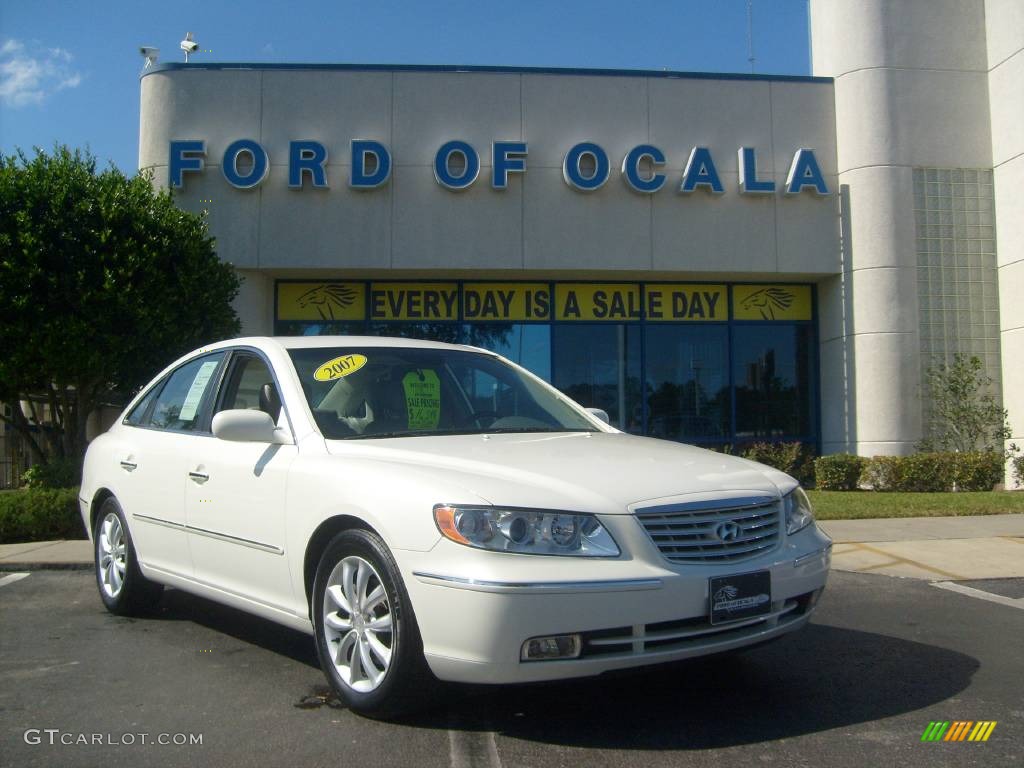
<point>586,167</point>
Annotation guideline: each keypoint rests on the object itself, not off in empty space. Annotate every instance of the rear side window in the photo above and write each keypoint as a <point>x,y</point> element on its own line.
<point>139,411</point>
<point>180,402</point>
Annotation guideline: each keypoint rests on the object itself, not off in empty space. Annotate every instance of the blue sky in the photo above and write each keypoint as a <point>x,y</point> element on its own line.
<point>69,70</point>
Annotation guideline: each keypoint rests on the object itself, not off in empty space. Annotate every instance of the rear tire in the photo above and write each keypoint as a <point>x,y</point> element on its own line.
<point>123,588</point>
<point>366,634</point>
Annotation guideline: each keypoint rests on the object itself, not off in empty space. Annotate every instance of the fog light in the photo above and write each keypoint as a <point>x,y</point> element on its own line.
<point>551,647</point>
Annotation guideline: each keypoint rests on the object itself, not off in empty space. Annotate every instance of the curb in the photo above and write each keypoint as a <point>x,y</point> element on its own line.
<point>31,566</point>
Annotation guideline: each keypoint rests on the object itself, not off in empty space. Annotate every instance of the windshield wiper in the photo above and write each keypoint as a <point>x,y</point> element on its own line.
<point>513,430</point>
<point>443,432</point>
<point>396,434</point>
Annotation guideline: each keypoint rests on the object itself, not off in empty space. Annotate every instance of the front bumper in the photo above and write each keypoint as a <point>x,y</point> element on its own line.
<point>477,609</point>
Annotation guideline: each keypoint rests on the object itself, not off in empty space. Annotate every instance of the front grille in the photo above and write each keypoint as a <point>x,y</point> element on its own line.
<point>694,532</point>
<point>686,634</point>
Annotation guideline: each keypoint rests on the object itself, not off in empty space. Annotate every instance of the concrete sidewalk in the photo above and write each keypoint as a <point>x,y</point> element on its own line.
<point>931,548</point>
<point>46,555</point>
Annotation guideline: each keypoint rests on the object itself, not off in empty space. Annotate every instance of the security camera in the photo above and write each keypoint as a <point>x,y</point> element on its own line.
<point>150,54</point>
<point>188,45</point>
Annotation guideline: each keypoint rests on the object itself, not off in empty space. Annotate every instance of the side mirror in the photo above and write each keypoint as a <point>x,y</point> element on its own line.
<point>245,426</point>
<point>600,413</point>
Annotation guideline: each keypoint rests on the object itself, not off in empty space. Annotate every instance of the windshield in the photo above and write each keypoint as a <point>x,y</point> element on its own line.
<point>364,392</point>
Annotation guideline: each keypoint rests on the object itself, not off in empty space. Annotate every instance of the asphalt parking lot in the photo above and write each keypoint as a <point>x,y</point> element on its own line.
<point>858,687</point>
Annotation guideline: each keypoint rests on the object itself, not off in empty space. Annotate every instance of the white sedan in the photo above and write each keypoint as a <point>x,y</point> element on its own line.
<point>429,511</point>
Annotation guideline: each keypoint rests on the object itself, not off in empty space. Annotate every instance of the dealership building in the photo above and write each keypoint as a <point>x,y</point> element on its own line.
<point>710,258</point>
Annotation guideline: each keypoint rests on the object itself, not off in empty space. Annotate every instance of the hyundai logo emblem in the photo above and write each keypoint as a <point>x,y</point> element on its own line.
<point>728,531</point>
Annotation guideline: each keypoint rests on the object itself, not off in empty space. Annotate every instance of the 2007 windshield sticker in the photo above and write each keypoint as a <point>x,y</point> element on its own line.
<point>422,399</point>
<point>339,367</point>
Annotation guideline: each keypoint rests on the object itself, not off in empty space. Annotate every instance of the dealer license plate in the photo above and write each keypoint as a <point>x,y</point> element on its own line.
<point>740,597</point>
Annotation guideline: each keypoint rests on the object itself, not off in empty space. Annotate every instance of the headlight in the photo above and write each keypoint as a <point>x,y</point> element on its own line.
<point>798,511</point>
<point>526,531</point>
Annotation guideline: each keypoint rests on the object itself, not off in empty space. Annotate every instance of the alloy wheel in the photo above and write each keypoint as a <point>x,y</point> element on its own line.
<point>358,624</point>
<point>112,555</point>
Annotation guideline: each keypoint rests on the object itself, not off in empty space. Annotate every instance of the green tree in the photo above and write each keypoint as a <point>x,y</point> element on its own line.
<point>103,281</point>
<point>962,413</point>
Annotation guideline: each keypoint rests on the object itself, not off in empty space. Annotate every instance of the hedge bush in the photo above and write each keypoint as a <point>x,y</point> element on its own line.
<point>40,515</point>
<point>838,472</point>
<point>934,472</point>
<point>926,473</point>
<point>58,473</point>
<point>978,470</point>
<point>882,473</point>
<point>794,459</point>
<point>1018,469</point>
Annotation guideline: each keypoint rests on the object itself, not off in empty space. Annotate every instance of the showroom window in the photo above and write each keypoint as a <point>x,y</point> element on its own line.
<point>711,364</point>
<point>772,381</point>
<point>598,366</point>
<point>687,383</point>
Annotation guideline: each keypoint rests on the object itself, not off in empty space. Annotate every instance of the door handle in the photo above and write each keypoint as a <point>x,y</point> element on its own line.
<point>128,465</point>
<point>198,477</point>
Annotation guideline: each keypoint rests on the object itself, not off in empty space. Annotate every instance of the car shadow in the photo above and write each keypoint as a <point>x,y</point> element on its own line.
<point>821,678</point>
<point>245,627</point>
<point>818,679</point>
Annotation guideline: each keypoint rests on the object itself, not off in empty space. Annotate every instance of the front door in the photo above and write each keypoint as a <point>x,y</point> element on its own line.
<point>235,498</point>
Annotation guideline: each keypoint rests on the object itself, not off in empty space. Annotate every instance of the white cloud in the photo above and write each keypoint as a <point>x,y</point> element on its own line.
<point>30,73</point>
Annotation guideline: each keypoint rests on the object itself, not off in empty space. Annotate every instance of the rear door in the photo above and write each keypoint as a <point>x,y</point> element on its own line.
<point>163,432</point>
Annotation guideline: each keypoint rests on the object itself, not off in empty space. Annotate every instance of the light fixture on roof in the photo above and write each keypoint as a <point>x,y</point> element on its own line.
<point>188,45</point>
<point>150,54</point>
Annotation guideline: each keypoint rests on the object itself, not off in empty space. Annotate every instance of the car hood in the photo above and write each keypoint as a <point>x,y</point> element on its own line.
<point>588,471</point>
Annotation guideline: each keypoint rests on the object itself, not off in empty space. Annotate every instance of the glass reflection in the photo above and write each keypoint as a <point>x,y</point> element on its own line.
<point>687,383</point>
<point>598,366</point>
<point>774,389</point>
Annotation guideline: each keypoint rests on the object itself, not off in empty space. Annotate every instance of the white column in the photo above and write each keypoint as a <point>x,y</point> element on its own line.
<point>1004,21</point>
<point>911,91</point>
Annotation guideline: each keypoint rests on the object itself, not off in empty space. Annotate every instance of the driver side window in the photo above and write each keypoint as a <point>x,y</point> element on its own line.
<point>250,385</point>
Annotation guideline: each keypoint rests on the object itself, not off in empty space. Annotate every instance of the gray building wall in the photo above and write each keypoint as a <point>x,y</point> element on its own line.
<point>538,223</point>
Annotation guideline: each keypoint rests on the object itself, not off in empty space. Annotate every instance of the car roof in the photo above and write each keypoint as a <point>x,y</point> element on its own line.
<point>319,342</point>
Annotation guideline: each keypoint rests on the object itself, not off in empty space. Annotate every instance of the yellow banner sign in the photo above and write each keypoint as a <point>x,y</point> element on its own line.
<point>506,301</point>
<point>539,301</point>
<point>686,302</point>
<point>321,301</point>
<point>771,302</point>
<point>414,301</point>
<point>597,301</point>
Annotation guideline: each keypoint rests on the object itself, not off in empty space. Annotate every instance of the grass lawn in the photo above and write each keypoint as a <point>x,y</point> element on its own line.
<point>852,505</point>
<point>856,505</point>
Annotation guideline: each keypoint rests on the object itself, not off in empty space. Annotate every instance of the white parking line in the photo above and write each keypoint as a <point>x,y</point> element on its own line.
<point>473,750</point>
<point>980,594</point>
<point>11,578</point>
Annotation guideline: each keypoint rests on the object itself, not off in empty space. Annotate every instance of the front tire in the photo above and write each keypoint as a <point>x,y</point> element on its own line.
<point>123,588</point>
<point>366,634</point>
